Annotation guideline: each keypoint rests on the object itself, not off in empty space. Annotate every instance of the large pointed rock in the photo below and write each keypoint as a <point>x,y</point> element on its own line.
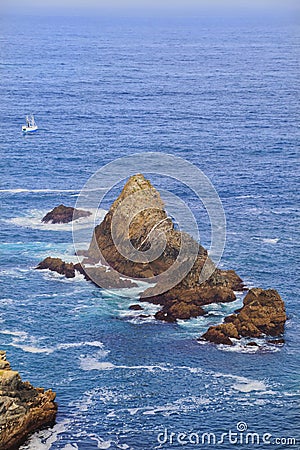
<point>138,219</point>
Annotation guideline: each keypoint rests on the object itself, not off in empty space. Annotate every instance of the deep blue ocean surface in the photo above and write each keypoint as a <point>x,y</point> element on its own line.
<point>222,96</point>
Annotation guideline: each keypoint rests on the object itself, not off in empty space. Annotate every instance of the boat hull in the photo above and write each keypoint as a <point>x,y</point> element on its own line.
<point>28,130</point>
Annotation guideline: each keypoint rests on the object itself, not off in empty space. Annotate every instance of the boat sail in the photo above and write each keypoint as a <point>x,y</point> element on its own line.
<point>30,126</point>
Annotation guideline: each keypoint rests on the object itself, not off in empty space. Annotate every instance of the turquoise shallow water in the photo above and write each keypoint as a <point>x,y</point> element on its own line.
<point>223,97</point>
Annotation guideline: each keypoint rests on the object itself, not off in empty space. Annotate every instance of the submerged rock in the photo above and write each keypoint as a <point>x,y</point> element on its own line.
<point>135,308</point>
<point>263,313</point>
<point>23,408</point>
<point>64,214</point>
<point>276,341</point>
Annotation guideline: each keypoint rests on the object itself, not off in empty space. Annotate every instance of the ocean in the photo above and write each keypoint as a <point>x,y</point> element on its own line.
<point>224,97</point>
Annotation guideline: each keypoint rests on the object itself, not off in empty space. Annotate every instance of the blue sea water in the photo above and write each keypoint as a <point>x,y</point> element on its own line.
<point>223,96</point>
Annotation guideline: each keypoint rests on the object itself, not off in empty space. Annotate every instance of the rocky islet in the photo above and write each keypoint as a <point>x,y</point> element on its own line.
<point>186,298</point>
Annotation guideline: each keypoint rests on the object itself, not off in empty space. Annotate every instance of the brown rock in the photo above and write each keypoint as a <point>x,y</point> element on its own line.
<point>217,336</point>
<point>234,281</point>
<point>179,310</point>
<point>23,408</point>
<point>136,307</point>
<point>276,341</point>
<point>64,214</point>
<point>57,265</point>
<point>263,313</point>
<point>106,278</point>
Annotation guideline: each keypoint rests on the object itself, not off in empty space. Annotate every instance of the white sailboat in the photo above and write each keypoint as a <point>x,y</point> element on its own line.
<point>30,126</point>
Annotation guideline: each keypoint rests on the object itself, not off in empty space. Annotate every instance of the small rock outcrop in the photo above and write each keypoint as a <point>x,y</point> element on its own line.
<point>57,265</point>
<point>23,408</point>
<point>64,214</point>
<point>263,313</point>
<point>109,278</point>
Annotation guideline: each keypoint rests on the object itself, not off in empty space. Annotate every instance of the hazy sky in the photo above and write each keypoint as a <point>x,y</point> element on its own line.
<point>140,5</point>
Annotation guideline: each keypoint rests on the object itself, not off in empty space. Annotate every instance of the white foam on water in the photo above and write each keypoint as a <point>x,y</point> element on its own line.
<point>43,440</point>
<point>246,385</point>
<point>270,240</point>
<point>247,196</point>
<point>149,368</point>
<point>55,276</point>
<point>250,386</point>
<point>33,220</point>
<point>70,447</point>
<point>105,444</point>
<point>240,346</point>
<point>292,394</point>
<point>6,301</point>
<point>15,272</point>
<point>195,370</point>
<point>133,411</point>
<point>143,320</point>
<point>101,443</point>
<point>32,349</point>
<point>22,340</point>
<point>86,402</point>
<point>185,404</point>
<point>80,344</point>
<point>19,334</point>
<point>92,363</point>
<point>138,317</point>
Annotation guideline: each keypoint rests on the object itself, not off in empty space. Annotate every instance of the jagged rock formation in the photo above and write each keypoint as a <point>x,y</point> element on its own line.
<point>64,214</point>
<point>108,278</point>
<point>23,408</point>
<point>144,231</point>
<point>263,313</point>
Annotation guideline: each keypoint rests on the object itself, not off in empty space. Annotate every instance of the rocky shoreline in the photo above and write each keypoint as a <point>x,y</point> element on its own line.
<point>263,312</point>
<point>24,409</point>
